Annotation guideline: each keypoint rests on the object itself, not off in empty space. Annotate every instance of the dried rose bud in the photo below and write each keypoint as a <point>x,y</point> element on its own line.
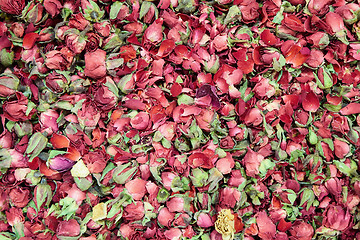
<point>141,121</point>
<point>48,120</point>
<point>334,186</point>
<point>93,42</point>
<point>104,96</point>
<point>103,28</point>
<point>15,216</point>
<point>16,110</point>
<point>13,158</point>
<point>337,218</point>
<point>43,194</point>
<point>8,84</point>
<point>95,66</point>
<point>34,13</point>
<point>162,195</point>
<point>61,164</point>
<point>302,231</point>
<point>58,59</point>
<point>88,115</point>
<point>349,12</point>
<point>75,42</point>
<point>12,6</point>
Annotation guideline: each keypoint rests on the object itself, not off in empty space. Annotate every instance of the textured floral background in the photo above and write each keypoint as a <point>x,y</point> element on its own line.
<point>179,119</point>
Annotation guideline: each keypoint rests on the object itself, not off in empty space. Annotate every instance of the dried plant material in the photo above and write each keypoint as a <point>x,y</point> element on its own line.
<point>80,170</point>
<point>99,212</point>
<point>225,224</point>
<point>139,119</point>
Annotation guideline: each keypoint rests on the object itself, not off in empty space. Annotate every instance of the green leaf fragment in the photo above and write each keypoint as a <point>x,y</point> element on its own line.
<point>120,176</point>
<point>5,159</point>
<point>145,7</point>
<point>112,87</point>
<point>54,153</point>
<point>233,14</point>
<point>307,196</point>
<point>115,9</point>
<point>37,143</point>
<point>265,165</point>
<point>83,183</point>
<point>68,208</point>
<point>180,184</point>
<point>199,177</point>
<point>149,213</point>
<point>163,195</point>
<point>185,99</point>
<point>342,167</point>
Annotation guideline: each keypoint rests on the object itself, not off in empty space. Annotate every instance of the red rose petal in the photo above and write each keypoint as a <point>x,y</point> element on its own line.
<point>311,102</point>
<point>175,89</point>
<point>166,47</point>
<point>48,172</point>
<point>352,108</point>
<point>239,225</point>
<point>267,228</point>
<point>292,99</point>
<point>283,226</point>
<point>257,56</point>
<point>35,163</point>
<point>73,154</point>
<point>134,104</point>
<point>181,51</point>
<point>29,40</point>
<point>59,141</point>
<point>334,100</point>
<point>136,188</point>
<point>268,37</point>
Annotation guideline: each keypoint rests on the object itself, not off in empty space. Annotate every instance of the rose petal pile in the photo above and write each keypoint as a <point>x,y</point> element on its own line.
<point>179,119</point>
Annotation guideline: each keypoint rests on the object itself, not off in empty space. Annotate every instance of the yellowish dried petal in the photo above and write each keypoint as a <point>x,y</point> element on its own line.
<point>99,212</point>
<point>80,170</point>
<point>225,224</point>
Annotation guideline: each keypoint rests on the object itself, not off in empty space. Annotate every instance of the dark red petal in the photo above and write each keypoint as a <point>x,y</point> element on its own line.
<point>30,39</point>
<point>283,226</point>
<point>311,102</point>
<point>268,38</point>
<point>175,89</point>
